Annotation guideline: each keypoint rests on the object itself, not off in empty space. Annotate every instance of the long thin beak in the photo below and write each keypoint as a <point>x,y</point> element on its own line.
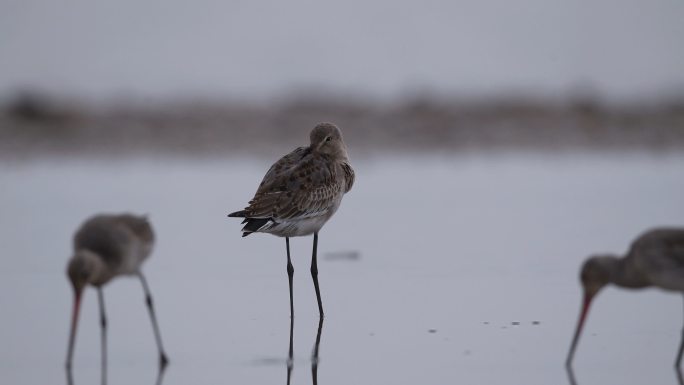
<point>580,323</point>
<point>74,323</point>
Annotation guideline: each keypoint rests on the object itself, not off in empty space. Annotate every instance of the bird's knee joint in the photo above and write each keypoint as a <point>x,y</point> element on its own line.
<point>290,269</point>
<point>163,360</point>
<point>148,301</point>
<point>314,271</point>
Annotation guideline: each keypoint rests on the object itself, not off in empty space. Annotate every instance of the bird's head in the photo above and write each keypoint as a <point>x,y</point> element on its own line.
<point>82,269</point>
<point>596,272</point>
<point>326,138</point>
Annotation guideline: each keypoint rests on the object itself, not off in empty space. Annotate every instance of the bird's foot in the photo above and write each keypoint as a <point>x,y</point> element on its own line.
<point>163,361</point>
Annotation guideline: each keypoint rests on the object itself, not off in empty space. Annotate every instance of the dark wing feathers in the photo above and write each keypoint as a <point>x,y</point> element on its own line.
<point>348,176</point>
<point>654,244</point>
<point>139,225</point>
<point>300,184</point>
<point>281,167</point>
<point>98,235</point>
<point>254,224</point>
<point>109,235</point>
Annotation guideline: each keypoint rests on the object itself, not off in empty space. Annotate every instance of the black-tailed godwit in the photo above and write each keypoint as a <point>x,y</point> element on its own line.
<point>107,246</point>
<point>299,193</point>
<point>656,258</point>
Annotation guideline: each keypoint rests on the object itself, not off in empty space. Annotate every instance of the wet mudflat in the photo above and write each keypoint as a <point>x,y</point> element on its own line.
<point>438,270</point>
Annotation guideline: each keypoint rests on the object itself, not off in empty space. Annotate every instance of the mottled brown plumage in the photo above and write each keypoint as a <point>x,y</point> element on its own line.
<point>303,189</point>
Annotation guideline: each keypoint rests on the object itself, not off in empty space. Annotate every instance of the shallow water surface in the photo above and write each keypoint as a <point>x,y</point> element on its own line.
<point>463,270</point>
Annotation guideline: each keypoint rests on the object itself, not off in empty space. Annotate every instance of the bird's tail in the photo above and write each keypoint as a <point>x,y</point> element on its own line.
<point>238,214</point>
<point>252,225</point>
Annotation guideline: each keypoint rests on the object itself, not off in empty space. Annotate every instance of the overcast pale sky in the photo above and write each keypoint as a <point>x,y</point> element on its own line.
<point>257,49</point>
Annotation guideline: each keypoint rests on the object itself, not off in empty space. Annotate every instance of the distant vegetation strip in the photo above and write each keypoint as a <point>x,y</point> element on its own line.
<point>32,126</point>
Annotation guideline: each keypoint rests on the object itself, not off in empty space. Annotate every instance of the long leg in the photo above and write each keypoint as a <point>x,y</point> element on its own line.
<point>678,361</point>
<point>314,274</point>
<point>163,360</point>
<point>70,377</point>
<point>290,274</point>
<point>103,326</point>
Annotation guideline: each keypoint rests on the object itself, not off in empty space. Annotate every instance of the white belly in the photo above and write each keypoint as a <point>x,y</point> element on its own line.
<point>298,227</point>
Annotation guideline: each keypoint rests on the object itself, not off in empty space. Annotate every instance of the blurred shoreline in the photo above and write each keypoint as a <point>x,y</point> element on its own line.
<point>35,126</point>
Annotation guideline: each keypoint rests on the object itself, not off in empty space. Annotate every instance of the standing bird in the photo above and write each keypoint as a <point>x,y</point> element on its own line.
<point>106,246</point>
<point>656,258</point>
<point>299,193</point>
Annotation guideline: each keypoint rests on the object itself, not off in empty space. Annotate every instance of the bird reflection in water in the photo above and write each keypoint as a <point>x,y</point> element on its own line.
<point>158,381</point>
<point>571,375</point>
<point>290,352</point>
<point>314,353</point>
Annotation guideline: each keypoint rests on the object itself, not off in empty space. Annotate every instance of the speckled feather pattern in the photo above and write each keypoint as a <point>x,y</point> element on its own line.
<point>302,190</point>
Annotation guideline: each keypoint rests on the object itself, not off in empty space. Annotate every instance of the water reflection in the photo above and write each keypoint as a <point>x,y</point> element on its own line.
<point>573,381</point>
<point>160,374</point>
<point>571,375</point>
<point>158,380</point>
<point>289,353</point>
<point>314,353</point>
<point>651,186</point>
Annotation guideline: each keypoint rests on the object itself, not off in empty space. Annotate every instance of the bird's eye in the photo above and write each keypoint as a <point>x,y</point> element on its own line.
<point>328,139</point>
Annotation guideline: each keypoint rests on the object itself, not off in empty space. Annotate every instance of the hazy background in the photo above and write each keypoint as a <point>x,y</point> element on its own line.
<point>496,145</point>
<point>620,50</point>
<point>208,77</point>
